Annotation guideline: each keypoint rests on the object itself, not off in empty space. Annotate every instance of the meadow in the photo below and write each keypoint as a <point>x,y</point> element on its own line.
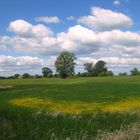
<point>101,108</point>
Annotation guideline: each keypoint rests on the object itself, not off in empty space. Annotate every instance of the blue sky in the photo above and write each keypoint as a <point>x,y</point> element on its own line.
<point>29,9</point>
<point>34,32</point>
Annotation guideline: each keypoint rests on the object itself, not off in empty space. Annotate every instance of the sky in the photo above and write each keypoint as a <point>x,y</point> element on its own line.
<point>34,32</point>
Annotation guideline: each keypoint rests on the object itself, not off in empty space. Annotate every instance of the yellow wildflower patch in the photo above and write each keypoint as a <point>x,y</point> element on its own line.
<point>130,104</point>
<point>76,107</point>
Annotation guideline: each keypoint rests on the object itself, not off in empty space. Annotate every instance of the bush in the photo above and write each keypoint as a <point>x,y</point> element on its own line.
<point>123,74</point>
<point>102,74</point>
<point>110,73</point>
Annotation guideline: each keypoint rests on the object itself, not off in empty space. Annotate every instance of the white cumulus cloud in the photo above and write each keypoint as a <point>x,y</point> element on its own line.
<point>104,19</point>
<point>10,65</point>
<point>24,29</point>
<point>77,39</point>
<point>22,61</point>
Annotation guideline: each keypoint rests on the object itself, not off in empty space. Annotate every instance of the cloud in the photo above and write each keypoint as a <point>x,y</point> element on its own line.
<point>54,19</point>
<point>99,38</point>
<point>118,37</point>
<point>104,19</point>
<point>11,65</point>
<point>22,61</point>
<point>77,39</point>
<point>24,29</point>
<point>71,18</point>
<point>3,47</point>
<point>45,45</point>
<point>116,2</point>
<point>72,40</point>
<point>81,40</point>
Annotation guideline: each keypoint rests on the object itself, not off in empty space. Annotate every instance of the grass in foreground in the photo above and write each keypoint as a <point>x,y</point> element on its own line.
<point>72,109</point>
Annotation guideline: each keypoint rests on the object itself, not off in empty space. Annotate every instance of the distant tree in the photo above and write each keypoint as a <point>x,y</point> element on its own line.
<point>102,74</point>
<point>47,72</point>
<point>11,77</point>
<point>84,74</point>
<point>95,72</point>
<point>89,67</point>
<point>55,75</point>
<point>37,76</point>
<point>109,73</point>
<point>123,74</point>
<point>65,64</point>
<point>2,77</point>
<point>26,75</point>
<point>16,76</point>
<point>79,74</point>
<point>134,72</point>
<point>100,67</point>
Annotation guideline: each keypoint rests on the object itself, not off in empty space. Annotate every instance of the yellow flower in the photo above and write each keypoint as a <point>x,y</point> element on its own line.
<point>76,107</point>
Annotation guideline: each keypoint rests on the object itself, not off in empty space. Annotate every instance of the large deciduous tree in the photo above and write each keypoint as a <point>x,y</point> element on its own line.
<point>65,64</point>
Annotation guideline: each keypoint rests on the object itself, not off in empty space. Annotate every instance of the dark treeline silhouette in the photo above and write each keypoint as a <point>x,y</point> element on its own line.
<point>99,69</point>
<point>65,65</point>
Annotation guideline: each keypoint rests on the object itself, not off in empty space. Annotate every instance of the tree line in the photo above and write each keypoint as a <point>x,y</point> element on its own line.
<point>65,67</point>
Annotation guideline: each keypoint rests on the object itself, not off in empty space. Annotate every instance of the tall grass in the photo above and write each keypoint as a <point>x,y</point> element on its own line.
<point>42,126</point>
<point>71,109</point>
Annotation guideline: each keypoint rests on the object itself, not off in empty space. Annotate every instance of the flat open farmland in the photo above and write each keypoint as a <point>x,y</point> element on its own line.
<point>72,109</point>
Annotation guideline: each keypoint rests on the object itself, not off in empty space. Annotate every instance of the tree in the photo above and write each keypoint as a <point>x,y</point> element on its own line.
<point>26,75</point>
<point>135,71</point>
<point>89,68</point>
<point>2,77</point>
<point>65,64</point>
<point>84,74</point>
<point>37,76</point>
<point>16,76</point>
<point>102,74</point>
<point>78,74</point>
<point>100,67</point>
<point>47,72</point>
<point>123,74</point>
<point>110,73</point>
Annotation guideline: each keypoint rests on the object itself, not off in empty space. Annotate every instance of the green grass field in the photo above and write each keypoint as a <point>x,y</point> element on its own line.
<point>73,109</point>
